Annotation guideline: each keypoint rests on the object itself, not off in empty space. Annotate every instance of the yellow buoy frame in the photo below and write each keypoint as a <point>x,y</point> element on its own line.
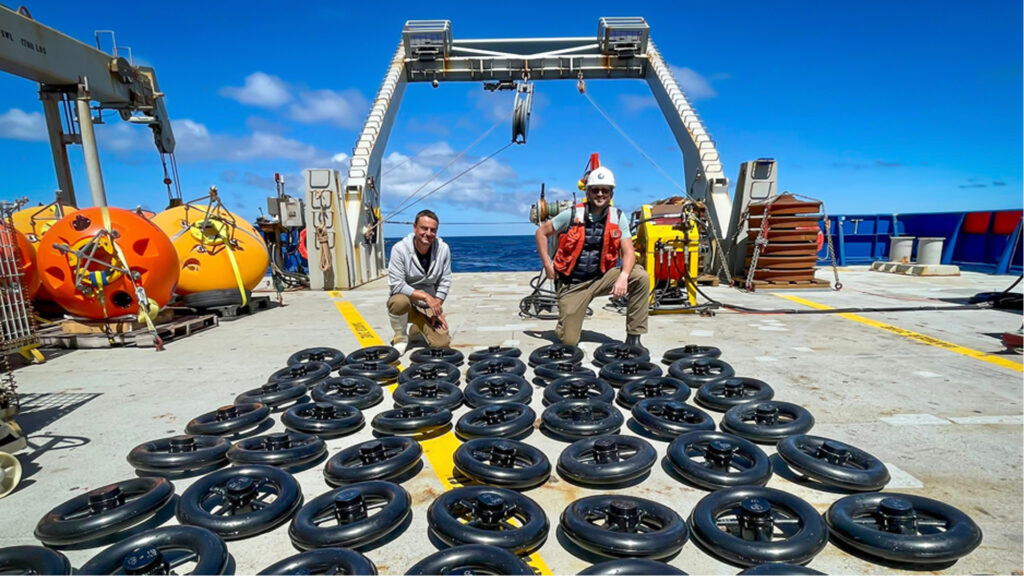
<point>217,250</point>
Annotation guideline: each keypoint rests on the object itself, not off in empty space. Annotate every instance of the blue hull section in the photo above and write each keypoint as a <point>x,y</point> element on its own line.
<point>987,242</point>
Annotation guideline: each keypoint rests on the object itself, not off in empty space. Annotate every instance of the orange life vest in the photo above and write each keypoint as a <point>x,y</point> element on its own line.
<point>570,245</point>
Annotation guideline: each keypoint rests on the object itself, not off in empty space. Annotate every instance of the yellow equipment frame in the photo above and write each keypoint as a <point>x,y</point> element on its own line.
<point>666,230</point>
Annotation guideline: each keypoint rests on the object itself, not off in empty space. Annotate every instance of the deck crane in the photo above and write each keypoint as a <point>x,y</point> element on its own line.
<point>339,209</point>
<point>73,75</point>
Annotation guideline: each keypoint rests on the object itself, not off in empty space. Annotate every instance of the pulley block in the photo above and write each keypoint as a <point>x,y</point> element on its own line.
<point>505,420</point>
<point>492,351</point>
<point>231,420</point>
<point>668,419</point>
<point>325,419</point>
<point>354,516</point>
<point>725,393</point>
<point>276,395</point>
<point>712,460</point>
<point>767,422</point>
<point>545,374</point>
<point>577,419</point>
<point>903,528</point>
<point>289,450</point>
<point>180,455</point>
<point>386,458</point>
<point>105,514</point>
<point>617,352</point>
<point>381,373</point>
<point>689,351</point>
<point>331,356</point>
<point>620,526</point>
<point>378,354</point>
<point>355,391</point>
<point>449,355</point>
<point>411,420</point>
<point>580,387</point>
<point>498,389</point>
<point>833,463</point>
<point>700,370</point>
<point>431,371</point>
<point>495,365</point>
<point>240,501</point>
<point>749,525</point>
<point>164,551</point>
<point>502,462</point>
<point>488,515</point>
<point>437,393</point>
<point>606,460</point>
<point>307,374</point>
<point>656,387</point>
<point>622,372</point>
<point>556,353</point>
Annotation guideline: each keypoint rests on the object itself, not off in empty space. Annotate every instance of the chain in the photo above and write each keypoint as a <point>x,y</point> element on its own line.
<point>828,238</point>
<point>759,243</point>
<point>831,249</point>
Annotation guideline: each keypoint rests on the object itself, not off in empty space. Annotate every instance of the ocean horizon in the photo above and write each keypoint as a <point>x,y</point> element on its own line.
<point>488,253</point>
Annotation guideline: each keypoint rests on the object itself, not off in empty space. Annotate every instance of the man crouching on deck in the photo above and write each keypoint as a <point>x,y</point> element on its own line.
<point>594,236</point>
<point>419,276</point>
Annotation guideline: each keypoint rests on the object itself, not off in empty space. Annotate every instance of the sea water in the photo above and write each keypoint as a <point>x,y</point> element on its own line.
<point>488,253</point>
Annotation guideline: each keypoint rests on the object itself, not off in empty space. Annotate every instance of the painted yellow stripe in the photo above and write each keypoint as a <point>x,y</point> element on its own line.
<point>440,450</point>
<point>917,337</point>
<point>334,293</point>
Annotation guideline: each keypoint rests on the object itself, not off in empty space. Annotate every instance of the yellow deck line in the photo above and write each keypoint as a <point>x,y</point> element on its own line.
<point>915,336</point>
<point>440,450</point>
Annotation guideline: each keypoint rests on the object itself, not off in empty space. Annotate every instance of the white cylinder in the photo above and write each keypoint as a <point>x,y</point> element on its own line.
<point>900,248</point>
<point>929,250</point>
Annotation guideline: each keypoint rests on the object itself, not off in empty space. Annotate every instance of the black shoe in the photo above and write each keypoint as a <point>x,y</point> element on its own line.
<point>634,340</point>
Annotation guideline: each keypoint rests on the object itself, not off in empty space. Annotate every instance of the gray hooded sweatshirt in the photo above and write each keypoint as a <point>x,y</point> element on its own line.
<point>405,274</point>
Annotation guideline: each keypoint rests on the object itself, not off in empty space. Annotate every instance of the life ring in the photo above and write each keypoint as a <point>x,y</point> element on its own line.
<point>26,258</point>
<point>302,245</point>
<point>821,240</point>
<point>96,288</point>
<point>216,252</point>
<point>34,222</point>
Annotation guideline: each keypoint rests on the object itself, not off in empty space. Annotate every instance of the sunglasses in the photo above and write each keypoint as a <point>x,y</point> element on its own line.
<point>605,191</point>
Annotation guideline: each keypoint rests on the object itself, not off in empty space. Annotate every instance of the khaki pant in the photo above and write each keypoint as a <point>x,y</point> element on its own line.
<point>573,301</point>
<point>419,318</point>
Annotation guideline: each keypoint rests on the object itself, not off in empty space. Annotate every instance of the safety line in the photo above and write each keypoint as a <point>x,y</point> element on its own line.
<point>438,450</point>
<point>915,336</point>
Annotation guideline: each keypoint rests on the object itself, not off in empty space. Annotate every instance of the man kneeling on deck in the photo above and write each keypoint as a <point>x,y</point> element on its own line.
<point>419,276</point>
<point>594,237</point>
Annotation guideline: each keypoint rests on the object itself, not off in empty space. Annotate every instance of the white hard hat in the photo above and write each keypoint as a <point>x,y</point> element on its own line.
<point>601,176</point>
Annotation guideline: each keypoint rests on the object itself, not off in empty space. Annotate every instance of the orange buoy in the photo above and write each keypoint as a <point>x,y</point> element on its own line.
<point>26,259</point>
<point>84,260</point>
<point>34,222</point>
<point>217,249</point>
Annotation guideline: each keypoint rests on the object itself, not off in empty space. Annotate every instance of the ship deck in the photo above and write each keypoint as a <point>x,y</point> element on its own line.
<point>931,393</point>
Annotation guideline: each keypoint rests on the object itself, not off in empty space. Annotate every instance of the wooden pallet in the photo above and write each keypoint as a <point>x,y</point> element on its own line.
<point>181,327</point>
<point>707,280</point>
<point>784,285</point>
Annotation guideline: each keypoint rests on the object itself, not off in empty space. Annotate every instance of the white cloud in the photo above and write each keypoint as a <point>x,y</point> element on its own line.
<point>195,142</point>
<point>695,86</point>
<point>340,158</point>
<point>16,124</point>
<point>492,186</point>
<point>344,109</point>
<point>634,103</point>
<point>261,90</point>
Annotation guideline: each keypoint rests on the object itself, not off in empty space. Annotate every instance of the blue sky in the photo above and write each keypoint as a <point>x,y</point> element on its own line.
<point>873,107</point>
